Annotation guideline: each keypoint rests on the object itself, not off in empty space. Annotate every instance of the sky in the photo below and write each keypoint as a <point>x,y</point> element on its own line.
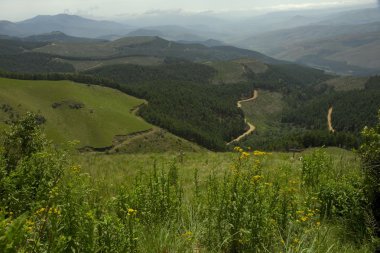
<point>17,10</point>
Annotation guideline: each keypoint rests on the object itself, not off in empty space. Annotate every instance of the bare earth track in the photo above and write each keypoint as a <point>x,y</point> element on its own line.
<point>329,120</point>
<point>251,127</point>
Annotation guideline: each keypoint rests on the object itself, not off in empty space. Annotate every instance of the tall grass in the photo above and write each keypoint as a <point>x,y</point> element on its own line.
<point>231,202</point>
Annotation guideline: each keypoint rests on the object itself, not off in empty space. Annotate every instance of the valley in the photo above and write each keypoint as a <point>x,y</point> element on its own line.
<point>247,130</point>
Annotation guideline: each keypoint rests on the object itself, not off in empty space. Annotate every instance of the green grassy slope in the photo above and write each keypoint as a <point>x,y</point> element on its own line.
<point>105,112</point>
<point>346,83</point>
<point>265,111</point>
<point>230,72</point>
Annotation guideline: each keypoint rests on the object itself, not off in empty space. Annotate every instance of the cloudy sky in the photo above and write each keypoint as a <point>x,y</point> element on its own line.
<point>16,10</point>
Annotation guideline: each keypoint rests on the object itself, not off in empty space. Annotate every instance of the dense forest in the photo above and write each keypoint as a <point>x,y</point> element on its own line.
<point>34,63</point>
<point>352,110</point>
<point>182,100</point>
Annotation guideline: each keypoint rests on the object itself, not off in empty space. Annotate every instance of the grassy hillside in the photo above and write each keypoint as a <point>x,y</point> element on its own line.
<point>265,111</point>
<point>236,71</point>
<point>347,83</point>
<point>91,114</point>
<point>155,141</point>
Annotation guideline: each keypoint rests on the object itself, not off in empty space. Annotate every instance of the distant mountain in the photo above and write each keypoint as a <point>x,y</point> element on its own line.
<point>323,46</point>
<point>207,43</point>
<point>149,46</point>
<point>145,32</point>
<point>69,24</point>
<point>353,17</point>
<point>344,54</point>
<point>277,41</point>
<point>57,36</point>
<point>171,32</point>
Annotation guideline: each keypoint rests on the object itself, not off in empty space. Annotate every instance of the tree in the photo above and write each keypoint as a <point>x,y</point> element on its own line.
<point>29,167</point>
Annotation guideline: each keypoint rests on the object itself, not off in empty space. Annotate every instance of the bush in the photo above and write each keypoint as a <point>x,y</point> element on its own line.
<point>370,155</point>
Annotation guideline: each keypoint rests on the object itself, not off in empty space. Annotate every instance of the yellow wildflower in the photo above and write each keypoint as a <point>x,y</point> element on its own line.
<point>76,168</point>
<point>40,211</point>
<point>188,235</point>
<point>132,212</point>
<point>256,178</point>
<point>260,153</point>
<point>244,155</point>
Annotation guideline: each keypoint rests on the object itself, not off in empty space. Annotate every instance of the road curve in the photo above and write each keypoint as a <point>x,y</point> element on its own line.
<point>329,120</point>
<point>251,127</point>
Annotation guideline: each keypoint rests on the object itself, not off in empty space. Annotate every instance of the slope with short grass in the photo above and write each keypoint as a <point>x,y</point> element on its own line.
<point>265,110</point>
<point>93,115</point>
<point>230,72</point>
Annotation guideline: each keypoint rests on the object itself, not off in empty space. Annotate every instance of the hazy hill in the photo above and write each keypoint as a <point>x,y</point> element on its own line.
<point>353,17</point>
<point>360,50</point>
<point>68,24</point>
<point>208,43</point>
<point>323,46</point>
<point>57,36</point>
<point>149,46</point>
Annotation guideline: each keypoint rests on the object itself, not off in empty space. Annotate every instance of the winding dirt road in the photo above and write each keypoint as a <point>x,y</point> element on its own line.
<point>329,119</point>
<point>251,127</point>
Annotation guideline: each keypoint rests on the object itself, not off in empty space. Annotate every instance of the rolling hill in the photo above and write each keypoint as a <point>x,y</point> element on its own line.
<point>93,115</point>
<point>57,36</point>
<point>149,46</point>
<point>69,24</point>
<point>345,48</point>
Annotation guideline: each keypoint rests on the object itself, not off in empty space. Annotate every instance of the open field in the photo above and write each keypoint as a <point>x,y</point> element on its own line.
<point>113,170</point>
<point>264,112</point>
<point>202,174</point>
<point>230,72</point>
<point>346,83</point>
<point>90,114</point>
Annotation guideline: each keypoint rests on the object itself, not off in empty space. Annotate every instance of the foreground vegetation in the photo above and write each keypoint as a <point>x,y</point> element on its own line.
<point>246,201</point>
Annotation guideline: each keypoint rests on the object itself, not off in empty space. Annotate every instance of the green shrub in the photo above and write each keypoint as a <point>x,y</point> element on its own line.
<point>370,155</point>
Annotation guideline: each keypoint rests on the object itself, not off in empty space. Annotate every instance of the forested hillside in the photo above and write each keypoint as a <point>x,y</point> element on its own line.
<point>183,96</point>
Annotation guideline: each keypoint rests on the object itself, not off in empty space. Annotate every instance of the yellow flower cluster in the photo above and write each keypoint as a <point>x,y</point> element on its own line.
<point>76,168</point>
<point>51,210</point>
<point>187,235</point>
<point>244,155</point>
<point>54,210</point>
<point>238,149</point>
<point>305,216</point>
<point>29,226</point>
<point>260,153</point>
<point>256,178</point>
<point>132,212</point>
<point>40,211</point>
